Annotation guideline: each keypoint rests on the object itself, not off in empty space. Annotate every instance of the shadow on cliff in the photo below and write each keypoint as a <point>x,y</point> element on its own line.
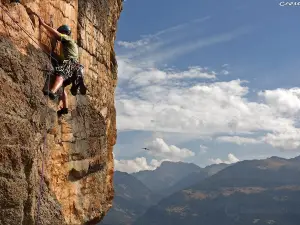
<point>23,120</point>
<point>24,117</point>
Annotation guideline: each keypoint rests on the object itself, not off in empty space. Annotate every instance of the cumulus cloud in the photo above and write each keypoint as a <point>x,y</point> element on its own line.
<point>159,148</point>
<point>135,75</point>
<point>238,140</point>
<point>137,164</point>
<point>160,151</point>
<point>194,107</point>
<point>167,101</point>
<point>284,101</point>
<point>285,140</point>
<point>231,159</point>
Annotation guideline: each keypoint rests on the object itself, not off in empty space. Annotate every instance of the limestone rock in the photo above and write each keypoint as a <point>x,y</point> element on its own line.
<point>73,154</point>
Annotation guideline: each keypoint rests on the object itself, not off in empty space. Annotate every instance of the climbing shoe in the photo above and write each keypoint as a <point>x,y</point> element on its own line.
<point>62,111</point>
<point>51,95</point>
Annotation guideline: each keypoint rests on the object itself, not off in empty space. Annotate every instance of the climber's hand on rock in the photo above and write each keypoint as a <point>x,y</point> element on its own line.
<point>53,32</point>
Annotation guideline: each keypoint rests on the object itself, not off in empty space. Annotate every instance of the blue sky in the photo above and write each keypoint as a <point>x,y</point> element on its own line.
<point>206,82</point>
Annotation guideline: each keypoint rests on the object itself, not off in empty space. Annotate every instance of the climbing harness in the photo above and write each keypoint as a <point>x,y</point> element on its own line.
<point>45,149</point>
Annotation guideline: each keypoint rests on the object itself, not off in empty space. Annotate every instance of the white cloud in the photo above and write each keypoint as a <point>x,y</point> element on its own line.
<point>137,75</point>
<point>203,149</point>
<point>192,107</point>
<point>194,101</point>
<point>286,140</point>
<point>225,69</point>
<point>186,47</point>
<point>137,164</point>
<point>133,45</point>
<point>151,40</point>
<point>157,100</point>
<point>177,27</point>
<point>284,101</point>
<point>238,140</point>
<point>193,72</point>
<point>160,151</point>
<point>225,72</point>
<point>231,159</point>
<point>176,41</point>
<point>159,148</point>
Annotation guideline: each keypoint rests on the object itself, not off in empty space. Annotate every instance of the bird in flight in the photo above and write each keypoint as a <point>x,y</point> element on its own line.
<point>147,149</point>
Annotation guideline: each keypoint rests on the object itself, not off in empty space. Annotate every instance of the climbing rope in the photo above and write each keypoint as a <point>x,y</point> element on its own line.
<point>45,150</point>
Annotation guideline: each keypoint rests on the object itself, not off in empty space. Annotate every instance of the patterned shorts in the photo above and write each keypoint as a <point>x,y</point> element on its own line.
<point>68,69</point>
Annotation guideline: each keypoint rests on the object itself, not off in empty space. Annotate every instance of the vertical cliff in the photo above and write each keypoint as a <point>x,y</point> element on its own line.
<point>77,152</point>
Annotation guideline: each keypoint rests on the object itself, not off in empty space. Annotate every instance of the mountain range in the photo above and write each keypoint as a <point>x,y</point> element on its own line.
<point>135,193</point>
<point>248,192</point>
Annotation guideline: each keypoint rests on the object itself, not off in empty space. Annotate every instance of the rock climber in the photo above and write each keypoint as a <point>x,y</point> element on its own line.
<point>69,70</point>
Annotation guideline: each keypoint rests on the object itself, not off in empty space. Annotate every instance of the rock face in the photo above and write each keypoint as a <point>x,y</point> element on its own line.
<point>56,170</point>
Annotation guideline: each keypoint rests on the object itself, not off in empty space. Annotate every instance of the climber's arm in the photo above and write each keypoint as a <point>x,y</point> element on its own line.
<point>52,31</point>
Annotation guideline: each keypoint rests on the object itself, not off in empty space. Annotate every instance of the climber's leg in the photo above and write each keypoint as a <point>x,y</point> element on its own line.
<point>64,99</point>
<point>57,84</point>
<point>61,73</point>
